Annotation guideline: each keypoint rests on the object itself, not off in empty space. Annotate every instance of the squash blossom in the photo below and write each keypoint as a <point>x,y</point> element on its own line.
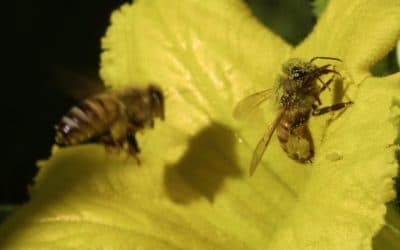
<point>192,190</point>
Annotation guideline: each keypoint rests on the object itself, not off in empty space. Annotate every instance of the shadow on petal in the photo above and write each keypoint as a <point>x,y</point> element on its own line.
<point>79,167</point>
<point>201,172</point>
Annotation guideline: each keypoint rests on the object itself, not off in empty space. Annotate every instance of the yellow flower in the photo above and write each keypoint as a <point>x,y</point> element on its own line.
<point>192,190</point>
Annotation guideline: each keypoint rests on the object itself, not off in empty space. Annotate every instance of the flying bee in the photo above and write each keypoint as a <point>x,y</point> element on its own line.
<point>299,99</point>
<point>112,117</point>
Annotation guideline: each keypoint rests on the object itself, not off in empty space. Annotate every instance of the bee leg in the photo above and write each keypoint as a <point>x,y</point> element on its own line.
<point>110,144</point>
<point>325,85</point>
<point>133,147</point>
<point>327,109</point>
<point>318,100</point>
<point>133,142</point>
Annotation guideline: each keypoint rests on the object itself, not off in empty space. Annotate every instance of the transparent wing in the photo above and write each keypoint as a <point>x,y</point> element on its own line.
<point>250,103</point>
<point>263,143</point>
<point>76,83</point>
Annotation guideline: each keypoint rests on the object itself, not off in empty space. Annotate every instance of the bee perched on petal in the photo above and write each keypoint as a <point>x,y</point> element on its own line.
<point>112,117</point>
<point>300,86</point>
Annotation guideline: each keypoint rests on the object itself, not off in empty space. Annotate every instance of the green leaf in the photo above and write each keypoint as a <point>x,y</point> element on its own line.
<point>292,28</point>
<point>388,237</point>
<point>398,53</point>
<point>192,190</point>
<point>319,6</point>
<point>387,65</point>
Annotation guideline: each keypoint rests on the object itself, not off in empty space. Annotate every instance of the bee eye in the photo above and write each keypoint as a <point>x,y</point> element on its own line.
<point>297,73</point>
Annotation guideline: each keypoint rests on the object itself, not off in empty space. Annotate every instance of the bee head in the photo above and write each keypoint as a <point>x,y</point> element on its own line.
<point>157,101</point>
<point>298,69</point>
<point>297,75</point>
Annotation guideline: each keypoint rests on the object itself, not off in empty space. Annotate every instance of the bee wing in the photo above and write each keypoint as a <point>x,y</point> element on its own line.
<point>250,103</point>
<point>263,143</point>
<point>75,83</point>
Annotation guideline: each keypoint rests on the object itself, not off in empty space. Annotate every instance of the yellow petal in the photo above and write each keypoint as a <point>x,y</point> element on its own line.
<point>345,196</point>
<point>359,32</point>
<point>192,190</point>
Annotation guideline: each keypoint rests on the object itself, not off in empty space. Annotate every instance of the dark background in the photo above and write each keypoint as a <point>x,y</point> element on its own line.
<point>40,34</point>
<point>37,35</point>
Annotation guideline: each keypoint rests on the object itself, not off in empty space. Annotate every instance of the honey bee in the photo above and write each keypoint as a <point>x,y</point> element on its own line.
<point>112,117</point>
<point>299,99</point>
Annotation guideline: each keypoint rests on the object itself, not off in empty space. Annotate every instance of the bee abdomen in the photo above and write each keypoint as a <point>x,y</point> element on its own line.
<point>91,118</point>
<point>282,132</point>
<point>298,143</point>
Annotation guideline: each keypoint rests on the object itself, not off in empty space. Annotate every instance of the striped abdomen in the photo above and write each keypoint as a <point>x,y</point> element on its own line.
<point>296,142</point>
<point>92,118</point>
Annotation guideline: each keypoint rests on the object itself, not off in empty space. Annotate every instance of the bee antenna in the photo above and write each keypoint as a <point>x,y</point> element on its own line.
<point>325,58</point>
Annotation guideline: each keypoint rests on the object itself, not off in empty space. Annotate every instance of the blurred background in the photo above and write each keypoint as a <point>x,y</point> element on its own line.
<point>41,34</point>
